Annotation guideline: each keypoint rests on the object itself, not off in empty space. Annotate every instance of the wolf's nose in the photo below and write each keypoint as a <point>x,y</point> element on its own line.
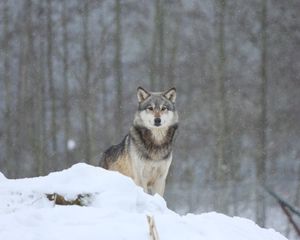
<point>157,121</point>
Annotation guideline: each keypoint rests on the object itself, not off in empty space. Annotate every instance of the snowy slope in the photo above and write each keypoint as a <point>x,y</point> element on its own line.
<point>116,209</point>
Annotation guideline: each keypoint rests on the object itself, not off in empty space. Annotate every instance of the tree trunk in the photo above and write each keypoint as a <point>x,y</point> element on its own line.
<point>118,67</point>
<point>160,26</point>
<point>152,71</point>
<point>66,104</point>
<point>52,94</point>
<point>297,196</point>
<point>42,98</point>
<point>30,118</point>
<point>222,167</point>
<point>86,85</point>
<point>42,111</point>
<point>103,75</point>
<point>20,116</point>
<point>7,93</point>
<point>157,48</point>
<point>173,57</point>
<point>262,147</point>
<point>32,96</point>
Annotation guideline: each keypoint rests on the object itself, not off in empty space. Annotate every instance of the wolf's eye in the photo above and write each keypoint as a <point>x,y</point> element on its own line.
<point>150,108</point>
<point>164,108</point>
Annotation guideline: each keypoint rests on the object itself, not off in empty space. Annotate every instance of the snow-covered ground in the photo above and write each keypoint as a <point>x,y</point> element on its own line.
<point>115,209</point>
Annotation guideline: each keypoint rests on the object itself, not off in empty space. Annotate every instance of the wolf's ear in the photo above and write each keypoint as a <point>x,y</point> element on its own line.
<point>142,94</point>
<point>171,94</point>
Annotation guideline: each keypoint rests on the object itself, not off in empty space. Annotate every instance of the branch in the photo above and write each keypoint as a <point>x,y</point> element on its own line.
<point>289,216</point>
<point>285,208</point>
<point>283,202</point>
<point>152,228</point>
<point>80,200</point>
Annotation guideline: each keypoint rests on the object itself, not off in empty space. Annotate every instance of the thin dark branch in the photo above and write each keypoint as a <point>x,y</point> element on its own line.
<point>289,216</point>
<point>283,202</point>
<point>285,208</point>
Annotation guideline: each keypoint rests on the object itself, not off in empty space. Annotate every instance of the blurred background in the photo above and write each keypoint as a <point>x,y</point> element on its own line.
<point>68,77</point>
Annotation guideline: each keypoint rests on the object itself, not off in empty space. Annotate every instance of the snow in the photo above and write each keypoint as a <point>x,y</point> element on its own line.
<point>116,209</point>
<point>71,144</point>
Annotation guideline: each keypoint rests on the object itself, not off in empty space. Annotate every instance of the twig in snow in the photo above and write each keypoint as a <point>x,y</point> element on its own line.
<point>80,200</point>
<point>152,228</point>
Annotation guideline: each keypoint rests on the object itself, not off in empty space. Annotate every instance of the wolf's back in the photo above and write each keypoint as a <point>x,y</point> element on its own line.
<point>112,154</point>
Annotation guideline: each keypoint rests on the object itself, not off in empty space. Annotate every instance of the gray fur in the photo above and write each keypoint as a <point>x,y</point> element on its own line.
<point>156,100</point>
<point>113,153</point>
<point>148,148</point>
<point>145,153</point>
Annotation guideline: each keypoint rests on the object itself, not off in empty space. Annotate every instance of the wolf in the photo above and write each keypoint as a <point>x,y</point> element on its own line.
<point>145,153</point>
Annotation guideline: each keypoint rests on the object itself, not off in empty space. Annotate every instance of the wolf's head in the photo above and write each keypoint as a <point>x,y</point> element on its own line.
<point>156,109</point>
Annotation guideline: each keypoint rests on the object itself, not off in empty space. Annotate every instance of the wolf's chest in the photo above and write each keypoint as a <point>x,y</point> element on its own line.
<point>153,170</point>
<point>150,169</point>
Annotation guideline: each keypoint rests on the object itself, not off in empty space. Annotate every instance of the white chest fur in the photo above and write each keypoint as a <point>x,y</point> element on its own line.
<point>159,134</point>
<point>150,174</point>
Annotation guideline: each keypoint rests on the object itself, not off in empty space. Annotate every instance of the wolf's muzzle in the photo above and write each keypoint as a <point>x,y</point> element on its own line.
<point>157,121</point>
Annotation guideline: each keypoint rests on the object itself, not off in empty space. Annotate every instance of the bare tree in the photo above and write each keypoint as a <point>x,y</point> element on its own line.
<point>66,100</point>
<point>103,73</point>
<point>20,101</point>
<point>30,80</point>
<point>174,52</point>
<point>33,90</point>
<point>7,91</point>
<point>157,58</point>
<point>222,165</point>
<point>152,67</point>
<point>297,197</point>
<point>118,66</point>
<point>161,32</point>
<point>41,166</point>
<point>52,93</point>
<point>85,107</point>
<point>263,124</point>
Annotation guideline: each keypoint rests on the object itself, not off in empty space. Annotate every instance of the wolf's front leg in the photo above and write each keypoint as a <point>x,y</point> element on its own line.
<point>158,187</point>
<point>140,182</point>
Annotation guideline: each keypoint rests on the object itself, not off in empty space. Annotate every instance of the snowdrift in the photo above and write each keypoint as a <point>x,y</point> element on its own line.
<point>114,208</point>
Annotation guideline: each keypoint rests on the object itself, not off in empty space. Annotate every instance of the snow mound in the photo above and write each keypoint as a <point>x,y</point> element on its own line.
<point>116,209</point>
<point>2,177</point>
